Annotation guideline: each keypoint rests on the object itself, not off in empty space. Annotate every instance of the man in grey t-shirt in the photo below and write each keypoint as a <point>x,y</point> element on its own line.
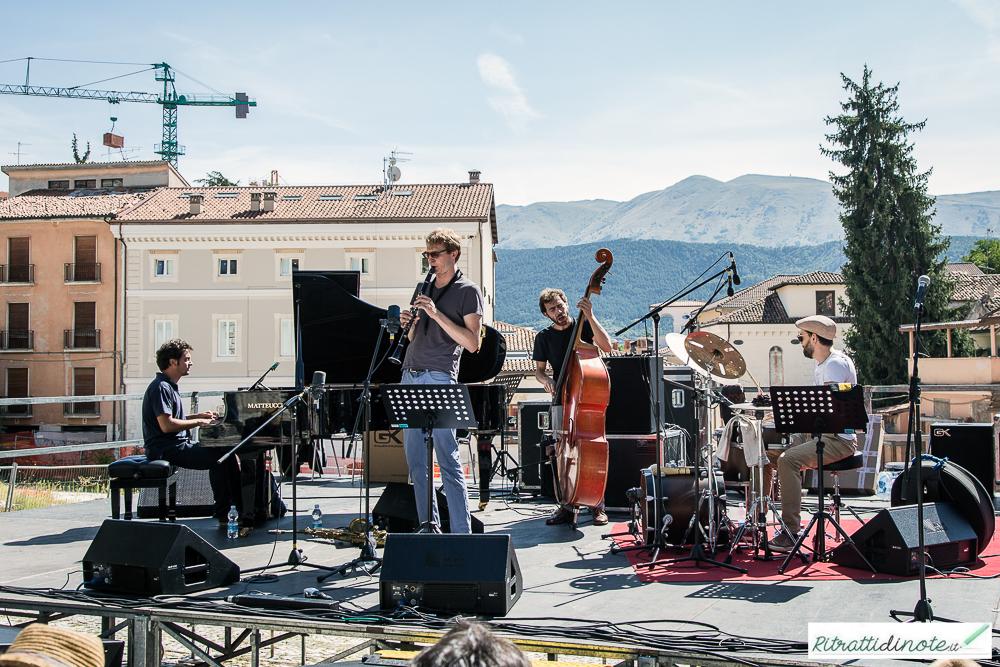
<point>449,319</point>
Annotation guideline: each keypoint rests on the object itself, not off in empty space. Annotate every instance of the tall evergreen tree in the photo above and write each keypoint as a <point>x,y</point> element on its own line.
<point>890,239</point>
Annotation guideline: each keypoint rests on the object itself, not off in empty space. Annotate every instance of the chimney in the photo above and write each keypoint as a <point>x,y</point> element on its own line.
<point>195,199</point>
<point>473,177</point>
<point>254,201</point>
<point>269,198</point>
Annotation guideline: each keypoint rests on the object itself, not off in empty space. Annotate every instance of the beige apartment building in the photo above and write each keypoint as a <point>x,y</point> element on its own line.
<point>213,266</point>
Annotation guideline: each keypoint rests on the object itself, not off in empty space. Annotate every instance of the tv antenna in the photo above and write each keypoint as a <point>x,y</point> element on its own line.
<point>390,172</point>
<point>19,153</point>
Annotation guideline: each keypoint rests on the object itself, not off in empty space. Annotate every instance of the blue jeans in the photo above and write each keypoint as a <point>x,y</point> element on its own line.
<point>446,450</point>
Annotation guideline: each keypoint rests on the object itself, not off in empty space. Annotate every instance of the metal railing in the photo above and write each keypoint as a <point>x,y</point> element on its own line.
<point>16,410</point>
<point>81,338</point>
<point>81,410</point>
<point>17,273</point>
<point>86,272</point>
<point>17,339</point>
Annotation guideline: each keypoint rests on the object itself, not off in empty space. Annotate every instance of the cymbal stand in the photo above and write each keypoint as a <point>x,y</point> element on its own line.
<point>756,518</point>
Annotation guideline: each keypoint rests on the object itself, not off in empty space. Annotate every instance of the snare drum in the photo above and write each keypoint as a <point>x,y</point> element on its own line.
<point>677,499</point>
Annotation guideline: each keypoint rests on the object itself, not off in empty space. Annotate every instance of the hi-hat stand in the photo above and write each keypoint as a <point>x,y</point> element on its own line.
<point>427,407</point>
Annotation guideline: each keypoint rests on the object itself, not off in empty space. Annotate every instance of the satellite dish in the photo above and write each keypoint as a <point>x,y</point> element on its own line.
<point>393,173</point>
<point>392,160</point>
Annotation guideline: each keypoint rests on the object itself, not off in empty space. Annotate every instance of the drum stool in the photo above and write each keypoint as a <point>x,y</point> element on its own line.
<point>852,462</point>
<point>138,472</point>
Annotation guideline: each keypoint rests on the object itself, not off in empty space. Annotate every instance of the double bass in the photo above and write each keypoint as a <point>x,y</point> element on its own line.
<point>579,403</point>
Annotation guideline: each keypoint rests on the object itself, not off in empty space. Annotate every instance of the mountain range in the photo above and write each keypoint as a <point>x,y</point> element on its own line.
<point>765,211</point>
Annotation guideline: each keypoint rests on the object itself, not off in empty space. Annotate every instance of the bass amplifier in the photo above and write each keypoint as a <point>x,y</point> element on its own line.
<point>971,446</point>
<point>631,409</point>
<point>679,404</point>
<point>629,455</point>
<point>455,573</point>
<point>535,475</point>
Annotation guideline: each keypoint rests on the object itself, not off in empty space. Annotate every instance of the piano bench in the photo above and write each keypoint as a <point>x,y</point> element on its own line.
<point>138,472</point>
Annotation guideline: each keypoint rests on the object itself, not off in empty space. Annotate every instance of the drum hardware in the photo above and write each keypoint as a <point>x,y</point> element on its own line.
<point>755,523</point>
<point>634,496</point>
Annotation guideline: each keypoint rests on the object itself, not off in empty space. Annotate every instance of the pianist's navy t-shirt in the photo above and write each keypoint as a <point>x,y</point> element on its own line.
<point>162,397</point>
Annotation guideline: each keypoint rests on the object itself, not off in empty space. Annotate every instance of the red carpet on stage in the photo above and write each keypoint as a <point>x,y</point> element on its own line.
<point>758,570</point>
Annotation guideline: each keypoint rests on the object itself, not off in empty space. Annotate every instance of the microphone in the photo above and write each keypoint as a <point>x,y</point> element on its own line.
<point>736,276</point>
<point>392,320</point>
<point>273,366</point>
<point>319,378</point>
<point>922,283</point>
<point>729,289</point>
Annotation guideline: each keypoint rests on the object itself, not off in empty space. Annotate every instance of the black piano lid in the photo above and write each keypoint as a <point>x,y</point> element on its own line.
<point>339,330</point>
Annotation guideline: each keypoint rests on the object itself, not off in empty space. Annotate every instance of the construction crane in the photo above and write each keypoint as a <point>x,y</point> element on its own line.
<point>169,100</point>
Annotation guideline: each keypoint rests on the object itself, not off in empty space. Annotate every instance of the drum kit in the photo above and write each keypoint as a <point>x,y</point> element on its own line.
<point>674,503</point>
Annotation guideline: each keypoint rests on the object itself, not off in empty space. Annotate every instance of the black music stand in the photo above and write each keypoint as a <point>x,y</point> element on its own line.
<point>818,410</point>
<point>427,407</point>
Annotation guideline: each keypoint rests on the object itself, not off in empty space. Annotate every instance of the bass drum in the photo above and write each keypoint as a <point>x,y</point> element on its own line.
<point>947,482</point>
<point>678,500</point>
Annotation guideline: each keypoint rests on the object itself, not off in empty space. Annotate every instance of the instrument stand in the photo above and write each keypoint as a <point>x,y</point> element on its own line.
<point>367,554</point>
<point>698,553</point>
<point>922,612</point>
<point>818,410</point>
<point>756,518</point>
<point>427,407</point>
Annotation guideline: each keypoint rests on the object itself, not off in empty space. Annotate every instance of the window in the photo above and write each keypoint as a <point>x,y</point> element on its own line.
<point>85,332</point>
<point>825,303</point>
<point>360,264</point>
<point>288,264</point>
<point>163,268</point>
<point>776,367</point>
<point>59,185</point>
<point>228,267</point>
<point>18,329</point>
<point>19,268</point>
<point>85,183</point>
<point>227,338</point>
<point>287,337</point>
<point>84,384</point>
<point>85,267</point>
<point>112,183</point>
<point>163,330</point>
<point>17,387</point>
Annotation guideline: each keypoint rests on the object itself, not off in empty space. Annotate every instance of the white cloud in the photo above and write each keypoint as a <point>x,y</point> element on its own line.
<point>987,14</point>
<point>507,35</point>
<point>507,96</point>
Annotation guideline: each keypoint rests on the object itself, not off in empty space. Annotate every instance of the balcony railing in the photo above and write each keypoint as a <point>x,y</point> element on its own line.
<point>88,272</point>
<point>15,410</point>
<point>17,273</point>
<point>81,409</point>
<point>81,338</point>
<point>17,339</point>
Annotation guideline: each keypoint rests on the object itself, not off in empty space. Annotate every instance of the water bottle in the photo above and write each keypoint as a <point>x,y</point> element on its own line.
<point>883,485</point>
<point>317,518</point>
<point>233,528</point>
<point>743,511</point>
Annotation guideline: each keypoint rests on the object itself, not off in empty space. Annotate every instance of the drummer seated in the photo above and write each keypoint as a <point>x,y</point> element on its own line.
<point>816,333</point>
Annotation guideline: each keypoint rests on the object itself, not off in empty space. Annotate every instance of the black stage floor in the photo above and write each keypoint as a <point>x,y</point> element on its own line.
<point>567,573</point>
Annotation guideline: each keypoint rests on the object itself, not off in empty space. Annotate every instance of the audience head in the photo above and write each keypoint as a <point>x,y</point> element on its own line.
<point>40,645</point>
<point>471,645</point>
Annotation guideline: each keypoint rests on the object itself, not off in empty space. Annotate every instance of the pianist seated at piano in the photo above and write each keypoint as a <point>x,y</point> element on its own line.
<point>166,430</point>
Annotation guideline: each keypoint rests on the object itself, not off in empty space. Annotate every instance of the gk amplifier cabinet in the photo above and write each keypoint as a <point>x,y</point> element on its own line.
<point>971,446</point>
<point>628,455</point>
<point>679,404</point>
<point>633,395</point>
<point>530,454</point>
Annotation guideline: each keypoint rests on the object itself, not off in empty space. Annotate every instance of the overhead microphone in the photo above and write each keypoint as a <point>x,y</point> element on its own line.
<point>392,320</point>
<point>736,276</point>
<point>729,288</point>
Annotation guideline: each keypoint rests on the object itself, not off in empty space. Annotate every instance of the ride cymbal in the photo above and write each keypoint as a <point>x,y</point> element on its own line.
<point>715,355</point>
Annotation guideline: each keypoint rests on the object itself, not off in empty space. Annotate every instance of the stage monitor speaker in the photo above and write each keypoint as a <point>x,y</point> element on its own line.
<point>396,509</point>
<point>679,405</point>
<point>633,395</point>
<point>147,558</point>
<point>535,475</point>
<point>455,573</point>
<point>972,446</point>
<point>890,542</point>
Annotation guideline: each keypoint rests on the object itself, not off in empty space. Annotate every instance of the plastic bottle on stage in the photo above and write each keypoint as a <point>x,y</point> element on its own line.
<point>233,528</point>
<point>317,518</point>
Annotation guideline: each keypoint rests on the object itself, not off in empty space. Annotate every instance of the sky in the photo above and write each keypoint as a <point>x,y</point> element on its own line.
<point>551,101</point>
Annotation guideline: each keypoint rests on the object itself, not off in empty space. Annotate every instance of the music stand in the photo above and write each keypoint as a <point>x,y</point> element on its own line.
<point>427,407</point>
<point>818,410</point>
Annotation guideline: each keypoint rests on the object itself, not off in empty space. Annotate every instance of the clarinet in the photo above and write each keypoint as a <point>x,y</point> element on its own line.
<point>404,334</point>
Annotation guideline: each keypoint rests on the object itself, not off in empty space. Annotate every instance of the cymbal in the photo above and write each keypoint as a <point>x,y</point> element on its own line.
<point>715,355</point>
<point>675,342</point>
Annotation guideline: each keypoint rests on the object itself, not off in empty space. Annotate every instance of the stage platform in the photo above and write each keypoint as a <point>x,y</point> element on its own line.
<point>568,574</point>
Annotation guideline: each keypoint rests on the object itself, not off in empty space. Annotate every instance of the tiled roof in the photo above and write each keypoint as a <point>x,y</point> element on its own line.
<point>3,195</point>
<point>748,295</point>
<point>519,339</point>
<point>67,204</point>
<point>760,304</point>
<point>814,278</point>
<point>972,287</point>
<point>963,269</point>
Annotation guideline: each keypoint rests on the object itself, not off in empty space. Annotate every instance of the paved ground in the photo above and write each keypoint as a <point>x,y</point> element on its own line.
<point>567,573</point>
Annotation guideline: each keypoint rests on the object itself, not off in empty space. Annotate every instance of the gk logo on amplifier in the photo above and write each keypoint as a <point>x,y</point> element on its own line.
<point>942,432</point>
<point>391,436</point>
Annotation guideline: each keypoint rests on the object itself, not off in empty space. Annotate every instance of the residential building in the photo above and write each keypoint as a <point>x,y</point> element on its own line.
<point>214,266</point>
<point>59,334</point>
<point>760,322</point>
<point>92,176</point>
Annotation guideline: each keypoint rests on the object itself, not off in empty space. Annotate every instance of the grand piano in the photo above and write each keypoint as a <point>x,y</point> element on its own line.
<point>338,335</point>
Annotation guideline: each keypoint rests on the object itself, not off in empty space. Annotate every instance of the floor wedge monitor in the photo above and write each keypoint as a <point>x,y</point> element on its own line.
<point>145,559</point>
<point>454,573</point>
